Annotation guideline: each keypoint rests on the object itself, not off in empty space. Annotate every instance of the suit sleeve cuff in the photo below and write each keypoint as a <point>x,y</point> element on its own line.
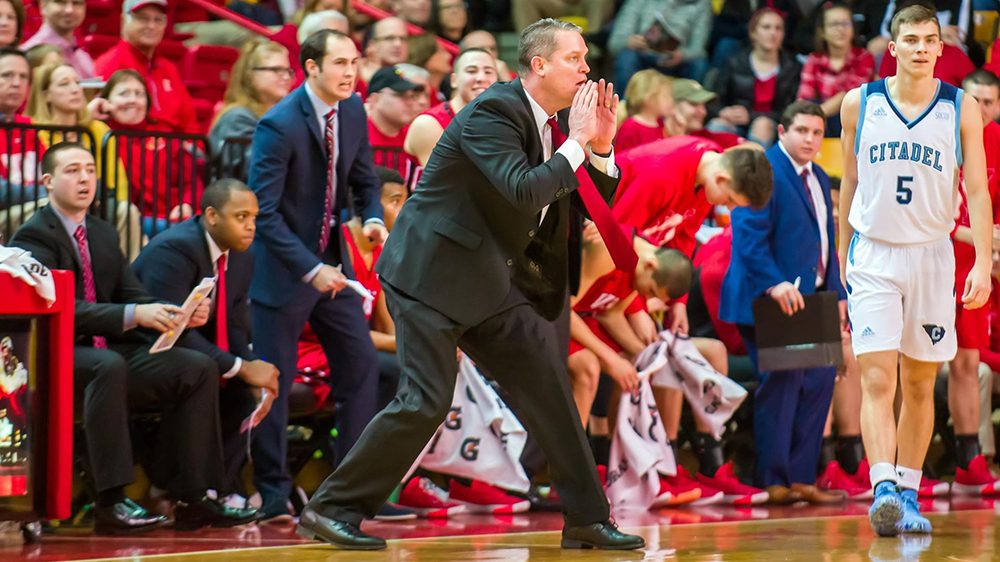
<point>573,152</point>
<point>237,365</point>
<point>128,322</point>
<point>605,165</point>
<point>308,277</point>
<point>374,220</point>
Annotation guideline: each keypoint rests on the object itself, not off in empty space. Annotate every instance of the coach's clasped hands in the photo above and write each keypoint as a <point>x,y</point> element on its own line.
<point>593,116</point>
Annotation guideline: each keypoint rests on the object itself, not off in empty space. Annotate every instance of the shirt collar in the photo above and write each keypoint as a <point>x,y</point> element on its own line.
<point>541,118</point>
<point>320,106</point>
<point>214,251</point>
<point>798,169</point>
<point>49,35</point>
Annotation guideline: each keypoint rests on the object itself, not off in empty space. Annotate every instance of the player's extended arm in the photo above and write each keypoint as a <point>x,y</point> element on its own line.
<point>423,134</point>
<point>977,284</point>
<point>616,324</point>
<point>849,183</point>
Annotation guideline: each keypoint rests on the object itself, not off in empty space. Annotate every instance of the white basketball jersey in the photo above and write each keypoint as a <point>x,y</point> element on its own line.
<point>907,192</point>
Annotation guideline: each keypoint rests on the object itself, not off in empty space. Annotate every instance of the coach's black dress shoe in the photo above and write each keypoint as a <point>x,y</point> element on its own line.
<point>604,535</point>
<point>338,533</point>
<point>208,512</point>
<point>125,518</point>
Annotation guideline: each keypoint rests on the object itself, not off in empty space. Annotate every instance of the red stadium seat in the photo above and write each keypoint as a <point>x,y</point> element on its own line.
<point>104,17</point>
<point>174,51</point>
<point>96,45</point>
<point>207,67</point>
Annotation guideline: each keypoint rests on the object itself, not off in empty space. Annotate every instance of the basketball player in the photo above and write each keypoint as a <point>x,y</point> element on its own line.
<point>904,140</point>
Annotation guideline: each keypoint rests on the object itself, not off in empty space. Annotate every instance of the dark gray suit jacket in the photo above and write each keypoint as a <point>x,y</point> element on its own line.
<point>471,228</point>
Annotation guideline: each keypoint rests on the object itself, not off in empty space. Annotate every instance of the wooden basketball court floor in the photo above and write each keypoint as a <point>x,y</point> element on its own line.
<point>965,530</point>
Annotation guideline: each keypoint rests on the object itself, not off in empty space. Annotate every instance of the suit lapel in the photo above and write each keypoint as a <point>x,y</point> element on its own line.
<point>312,121</point>
<point>53,223</point>
<point>535,151</point>
<point>799,188</point>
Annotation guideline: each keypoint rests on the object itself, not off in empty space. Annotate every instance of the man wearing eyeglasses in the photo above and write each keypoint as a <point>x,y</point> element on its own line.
<point>392,105</point>
<point>385,46</point>
<point>143,25</point>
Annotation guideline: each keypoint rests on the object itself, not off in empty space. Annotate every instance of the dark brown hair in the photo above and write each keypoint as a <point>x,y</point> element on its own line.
<point>751,174</point>
<point>800,107</point>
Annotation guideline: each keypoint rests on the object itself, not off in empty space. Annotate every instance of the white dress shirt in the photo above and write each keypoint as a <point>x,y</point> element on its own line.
<point>819,203</point>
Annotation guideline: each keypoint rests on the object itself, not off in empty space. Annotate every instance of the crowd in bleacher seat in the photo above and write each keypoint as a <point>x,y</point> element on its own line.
<point>171,112</point>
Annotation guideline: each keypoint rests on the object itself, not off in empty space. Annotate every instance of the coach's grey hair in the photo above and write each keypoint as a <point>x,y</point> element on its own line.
<point>317,21</point>
<point>539,40</point>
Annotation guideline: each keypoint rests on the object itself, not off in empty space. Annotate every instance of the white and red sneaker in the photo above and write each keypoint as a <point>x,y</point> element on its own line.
<point>977,480</point>
<point>836,479</point>
<point>427,499</point>
<point>480,497</point>
<point>733,491</point>
<point>931,488</point>
<point>676,490</point>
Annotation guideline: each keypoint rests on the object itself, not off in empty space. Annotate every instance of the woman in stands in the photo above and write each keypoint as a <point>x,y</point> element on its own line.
<point>757,83</point>
<point>451,19</point>
<point>649,102</point>
<point>427,53</point>
<point>836,66</point>
<point>261,77</point>
<point>57,98</point>
<point>164,174</point>
<point>475,71</point>
<point>11,23</point>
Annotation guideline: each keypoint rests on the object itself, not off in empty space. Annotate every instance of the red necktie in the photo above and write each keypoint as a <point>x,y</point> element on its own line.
<point>331,180</point>
<point>89,286</point>
<point>820,268</point>
<point>618,244</point>
<point>221,328</point>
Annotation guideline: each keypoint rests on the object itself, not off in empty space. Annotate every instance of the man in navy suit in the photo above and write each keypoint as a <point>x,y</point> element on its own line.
<point>785,250</point>
<point>311,164</point>
<point>175,262</point>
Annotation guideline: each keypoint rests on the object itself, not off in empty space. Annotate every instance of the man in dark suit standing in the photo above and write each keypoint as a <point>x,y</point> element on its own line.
<point>115,321</point>
<point>215,244</point>
<point>311,164</point>
<point>785,250</point>
<point>478,259</point>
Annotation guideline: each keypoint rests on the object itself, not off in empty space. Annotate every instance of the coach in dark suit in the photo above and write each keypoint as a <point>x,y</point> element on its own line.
<point>212,244</point>
<point>478,259</point>
<point>790,238</point>
<point>115,322</point>
<point>311,164</point>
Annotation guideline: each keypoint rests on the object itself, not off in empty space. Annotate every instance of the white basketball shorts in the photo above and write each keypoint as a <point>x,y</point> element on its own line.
<point>902,298</point>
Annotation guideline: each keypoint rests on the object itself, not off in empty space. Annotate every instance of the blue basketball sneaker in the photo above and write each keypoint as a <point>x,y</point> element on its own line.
<point>886,510</point>
<point>912,521</point>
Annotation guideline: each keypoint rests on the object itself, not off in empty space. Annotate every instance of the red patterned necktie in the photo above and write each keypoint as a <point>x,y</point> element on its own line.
<point>331,180</point>
<point>89,286</point>
<point>820,268</point>
<point>618,244</point>
<point>221,327</point>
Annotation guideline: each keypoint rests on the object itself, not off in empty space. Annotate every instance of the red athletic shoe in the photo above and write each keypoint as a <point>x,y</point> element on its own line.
<point>931,488</point>
<point>602,473</point>
<point>677,490</point>
<point>424,497</point>
<point>862,477</point>
<point>835,479</point>
<point>977,480</point>
<point>734,492</point>
<point>480,497</point>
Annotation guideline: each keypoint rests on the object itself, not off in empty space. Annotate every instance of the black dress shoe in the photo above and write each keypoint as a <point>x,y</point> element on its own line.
<point>208,512</point>
<point>124,518</point>
<point>604,535</point>
<point>341,534</point>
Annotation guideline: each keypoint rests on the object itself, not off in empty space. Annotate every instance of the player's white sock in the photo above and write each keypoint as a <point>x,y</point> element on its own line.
<point>909,477</point>
<point>882,471</point>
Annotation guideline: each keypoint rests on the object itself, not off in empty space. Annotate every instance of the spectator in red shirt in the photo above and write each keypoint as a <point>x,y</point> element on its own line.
<point>143,25</point>
<point>689,114</point>
<point>836,67</point>
<point>649,102</point>
<point>21,157</point>
<point>11,22</point>
<point>391,107</point>
<point>387,44</point>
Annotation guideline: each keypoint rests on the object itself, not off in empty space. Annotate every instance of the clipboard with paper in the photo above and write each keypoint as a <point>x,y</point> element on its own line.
<point>194,298</point>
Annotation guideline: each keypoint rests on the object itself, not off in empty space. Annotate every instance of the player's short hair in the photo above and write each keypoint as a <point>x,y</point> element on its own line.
<point>218,193</point>
<point>751,174</point>
<point>388,175</point>
<point>674,272</point>
<point>51,157</point>
<point>982,77</point>
<point>800,107</point>
<point>539,40</point>
<point>912,13</point>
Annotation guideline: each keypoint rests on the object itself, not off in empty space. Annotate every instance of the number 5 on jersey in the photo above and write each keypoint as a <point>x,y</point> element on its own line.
<point>904,194</point>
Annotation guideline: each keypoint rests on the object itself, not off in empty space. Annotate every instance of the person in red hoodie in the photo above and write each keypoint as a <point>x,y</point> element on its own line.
<point>143,25</point>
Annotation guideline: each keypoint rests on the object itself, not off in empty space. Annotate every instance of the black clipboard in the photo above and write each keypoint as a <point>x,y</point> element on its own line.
<point>807,339</point>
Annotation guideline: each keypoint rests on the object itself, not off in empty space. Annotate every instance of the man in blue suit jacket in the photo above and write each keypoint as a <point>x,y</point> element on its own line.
<point>785,250</point>
<point>299,266</point>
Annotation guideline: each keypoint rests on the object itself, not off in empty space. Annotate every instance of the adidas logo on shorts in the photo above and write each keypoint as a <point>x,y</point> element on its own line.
<point>867,332</point>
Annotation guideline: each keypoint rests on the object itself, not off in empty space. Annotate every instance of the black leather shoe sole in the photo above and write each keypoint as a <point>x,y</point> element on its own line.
<point>114,531</point>
<point>579,544</point>
<point>311,535</point>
